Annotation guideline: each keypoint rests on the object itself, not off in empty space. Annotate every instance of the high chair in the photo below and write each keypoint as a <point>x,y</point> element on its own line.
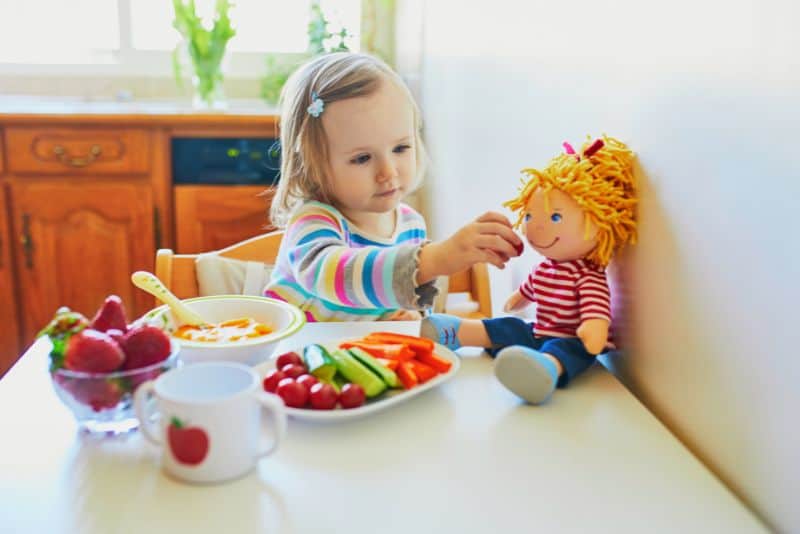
<point>467,292</point>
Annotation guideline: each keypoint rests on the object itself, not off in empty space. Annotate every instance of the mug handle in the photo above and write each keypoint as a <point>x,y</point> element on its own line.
<point>140,398</point>
<point>275,406</point>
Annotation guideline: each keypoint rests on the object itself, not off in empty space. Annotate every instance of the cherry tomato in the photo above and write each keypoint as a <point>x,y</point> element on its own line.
<point>293,370</point>
<point>293,394</point>
<point>307,380</point>
<point>272,379</point>
<point>352,396</point>
<point>288,357</point>
<point>323,396</point>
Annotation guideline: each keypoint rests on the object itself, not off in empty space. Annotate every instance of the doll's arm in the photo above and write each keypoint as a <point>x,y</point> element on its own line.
<point>516,302</point>
<point>594,334</point>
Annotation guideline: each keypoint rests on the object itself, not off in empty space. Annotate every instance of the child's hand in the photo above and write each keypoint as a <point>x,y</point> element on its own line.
<point>594,335</point>
<point>404,315</point>
<point>490,239</point>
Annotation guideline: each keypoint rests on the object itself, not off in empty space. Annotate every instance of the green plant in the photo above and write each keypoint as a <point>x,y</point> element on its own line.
<point>320,41</point>
<point>205,47</point>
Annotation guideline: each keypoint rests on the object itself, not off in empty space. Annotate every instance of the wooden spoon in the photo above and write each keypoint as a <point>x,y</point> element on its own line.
<point>150,283</point>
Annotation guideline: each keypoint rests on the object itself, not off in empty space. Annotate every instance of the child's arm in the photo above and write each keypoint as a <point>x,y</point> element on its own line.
<point>595,308</point>
<point>490,238</point>
<point>323,263</point>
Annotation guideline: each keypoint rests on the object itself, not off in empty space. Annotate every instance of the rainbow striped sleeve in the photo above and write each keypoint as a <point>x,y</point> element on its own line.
<point>334,264</point>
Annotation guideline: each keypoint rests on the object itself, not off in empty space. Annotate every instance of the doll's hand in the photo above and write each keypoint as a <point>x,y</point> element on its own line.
<point>490,238</point>
<point>404,315</point>
<point>515,302</point>
<point>594,335</point>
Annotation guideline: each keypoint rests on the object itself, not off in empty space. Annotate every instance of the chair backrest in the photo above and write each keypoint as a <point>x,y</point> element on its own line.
<point>473,283</point>
<point>179,274</point>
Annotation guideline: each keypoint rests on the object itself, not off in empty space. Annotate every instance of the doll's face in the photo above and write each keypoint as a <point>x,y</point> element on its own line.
<point>558,232</point>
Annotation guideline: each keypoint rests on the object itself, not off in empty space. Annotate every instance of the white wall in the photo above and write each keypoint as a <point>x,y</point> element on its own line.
<point>708,94</point>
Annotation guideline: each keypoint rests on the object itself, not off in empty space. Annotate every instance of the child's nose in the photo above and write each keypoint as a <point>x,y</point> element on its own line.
<point>387,170</point>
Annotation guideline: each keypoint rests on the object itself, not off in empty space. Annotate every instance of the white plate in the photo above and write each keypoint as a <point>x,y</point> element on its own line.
<point>386,400</point>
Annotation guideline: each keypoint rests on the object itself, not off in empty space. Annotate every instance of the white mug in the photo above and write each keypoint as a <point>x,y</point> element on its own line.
<point>209,420</point>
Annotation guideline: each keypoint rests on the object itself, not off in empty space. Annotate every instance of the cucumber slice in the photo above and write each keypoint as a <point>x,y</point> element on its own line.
<point>386,374</point>
<point>357,373</point>
<point>319,362</point>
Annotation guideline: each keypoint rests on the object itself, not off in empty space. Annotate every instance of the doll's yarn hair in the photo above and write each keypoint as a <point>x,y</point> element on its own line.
<point>602,184</point>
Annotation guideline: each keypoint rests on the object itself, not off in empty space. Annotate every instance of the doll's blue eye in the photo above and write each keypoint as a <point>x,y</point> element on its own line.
<point>527,217</point>
<point>556,217</point>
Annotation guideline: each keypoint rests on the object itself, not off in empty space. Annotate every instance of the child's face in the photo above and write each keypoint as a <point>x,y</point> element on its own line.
<point>558,232</point>
<point>371,150</point>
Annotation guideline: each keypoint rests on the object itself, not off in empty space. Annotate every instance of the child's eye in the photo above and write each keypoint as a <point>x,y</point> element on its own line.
<point>527,217</point>
<point>556,217</point>
<point>401,148</point>
<point>360,159</point>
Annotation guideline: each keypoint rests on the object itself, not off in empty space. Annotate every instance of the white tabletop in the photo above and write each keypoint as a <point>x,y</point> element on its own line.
<point>464,457</point>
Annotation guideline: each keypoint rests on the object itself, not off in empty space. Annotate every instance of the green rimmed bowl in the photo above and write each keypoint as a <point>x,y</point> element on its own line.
<point>283,318</point>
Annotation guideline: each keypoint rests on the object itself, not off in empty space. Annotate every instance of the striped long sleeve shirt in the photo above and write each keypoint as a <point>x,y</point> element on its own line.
<point>334,271</point>
<point>566,294</point>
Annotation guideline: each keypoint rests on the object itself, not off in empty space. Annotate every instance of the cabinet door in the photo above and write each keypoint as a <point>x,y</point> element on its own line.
<point>210,217</point>
<point>9,324</point>
<point>79,242</point>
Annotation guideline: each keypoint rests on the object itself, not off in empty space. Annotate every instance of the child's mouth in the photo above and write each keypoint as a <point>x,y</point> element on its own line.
<point>388,193</point>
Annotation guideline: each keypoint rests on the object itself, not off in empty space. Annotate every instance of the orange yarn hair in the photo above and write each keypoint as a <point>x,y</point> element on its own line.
<point>602,184</point>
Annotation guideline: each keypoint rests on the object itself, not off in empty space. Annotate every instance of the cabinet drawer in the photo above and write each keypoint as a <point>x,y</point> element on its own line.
<point>79,151</point>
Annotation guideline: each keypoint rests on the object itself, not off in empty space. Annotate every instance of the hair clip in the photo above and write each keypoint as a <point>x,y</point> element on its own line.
<point>569,150</point>
<point>317,105</point>
<point>593,148</point>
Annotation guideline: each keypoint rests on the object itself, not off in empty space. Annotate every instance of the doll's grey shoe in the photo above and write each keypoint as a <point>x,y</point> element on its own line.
<point>526,372</point>
<point>442,329</point>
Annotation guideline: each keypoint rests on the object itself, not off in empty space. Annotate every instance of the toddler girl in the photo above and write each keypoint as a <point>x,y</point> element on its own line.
<point>351,151</point>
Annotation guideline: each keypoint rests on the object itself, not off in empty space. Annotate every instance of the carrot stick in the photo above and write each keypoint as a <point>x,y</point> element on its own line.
<point>423,371</point>
<point>392,352</point>
<point>391,364</point>
<point>390,337</point>
<point>406,375</point>
<point>437,362</point>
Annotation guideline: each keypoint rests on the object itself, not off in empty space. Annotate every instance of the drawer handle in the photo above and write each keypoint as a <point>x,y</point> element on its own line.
<point>77,161</point>
<point>26,240</point>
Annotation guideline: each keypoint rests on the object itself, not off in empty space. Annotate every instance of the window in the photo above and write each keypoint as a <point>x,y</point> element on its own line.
<point>135,37</point>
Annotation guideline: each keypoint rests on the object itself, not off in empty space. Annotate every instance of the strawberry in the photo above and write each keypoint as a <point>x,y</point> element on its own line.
<point>520,248</point>
<point>93,352</point>
<point>110,315</point>
<point>145,345</point>
<point>99,393</point>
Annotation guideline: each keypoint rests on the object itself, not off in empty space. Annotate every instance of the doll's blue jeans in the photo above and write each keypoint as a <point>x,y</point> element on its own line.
<point>506,331</point>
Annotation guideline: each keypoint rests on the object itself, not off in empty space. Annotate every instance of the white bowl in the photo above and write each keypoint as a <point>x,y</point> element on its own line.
<point>283,318</point>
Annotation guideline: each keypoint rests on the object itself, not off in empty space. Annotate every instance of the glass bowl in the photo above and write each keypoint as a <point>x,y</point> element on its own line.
<point>103,402</point>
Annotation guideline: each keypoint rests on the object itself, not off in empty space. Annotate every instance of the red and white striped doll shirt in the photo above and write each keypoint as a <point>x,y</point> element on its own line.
<point>566,294</point>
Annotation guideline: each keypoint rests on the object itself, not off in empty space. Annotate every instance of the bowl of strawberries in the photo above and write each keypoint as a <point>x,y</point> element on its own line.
<point>96,365</point>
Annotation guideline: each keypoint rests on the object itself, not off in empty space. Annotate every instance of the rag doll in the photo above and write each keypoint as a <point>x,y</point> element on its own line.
<point>577,212</point>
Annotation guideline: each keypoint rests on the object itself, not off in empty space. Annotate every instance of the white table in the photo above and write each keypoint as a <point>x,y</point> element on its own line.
<point>464,457</point>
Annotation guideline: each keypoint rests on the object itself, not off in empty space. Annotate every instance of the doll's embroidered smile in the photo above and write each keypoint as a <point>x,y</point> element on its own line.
<point>544,247</point>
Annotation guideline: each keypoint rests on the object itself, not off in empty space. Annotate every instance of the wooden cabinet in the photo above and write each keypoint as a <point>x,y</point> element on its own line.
<point>9,325</point>
<point>80,241</point>
<point>210,217</point>
<point>88,197</point>
<point>95,151</point>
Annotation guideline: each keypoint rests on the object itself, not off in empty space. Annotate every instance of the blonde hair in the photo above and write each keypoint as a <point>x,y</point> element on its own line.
<point>304,148</point>
<point>601,181</point>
